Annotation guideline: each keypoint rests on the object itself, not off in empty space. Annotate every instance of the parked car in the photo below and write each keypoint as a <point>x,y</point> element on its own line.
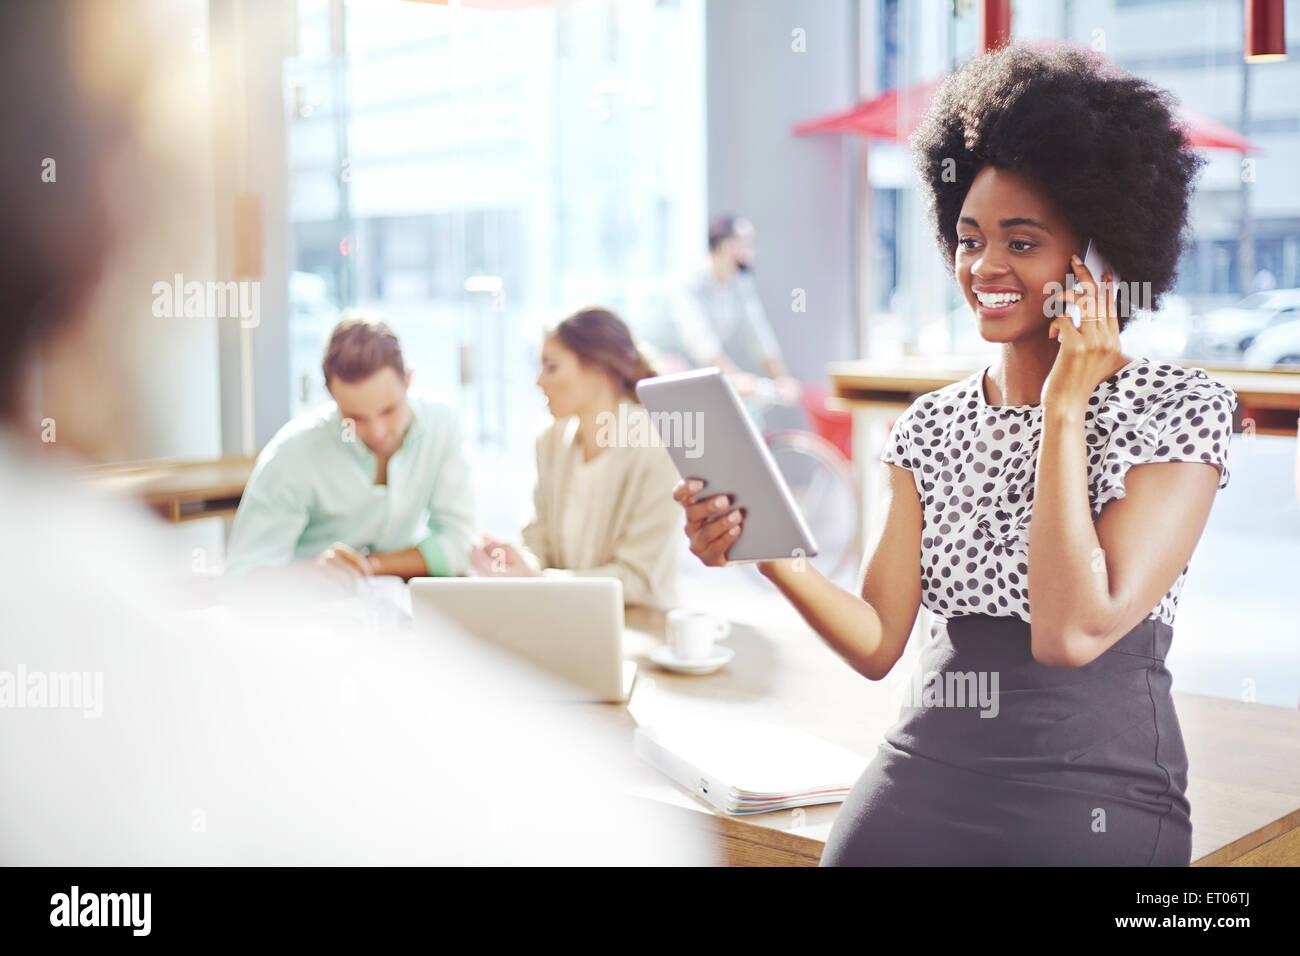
<point>1276,345</point>
<point>1229,332</point>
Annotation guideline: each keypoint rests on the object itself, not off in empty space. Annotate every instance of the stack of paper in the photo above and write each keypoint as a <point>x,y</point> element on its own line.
<point>742,767</point>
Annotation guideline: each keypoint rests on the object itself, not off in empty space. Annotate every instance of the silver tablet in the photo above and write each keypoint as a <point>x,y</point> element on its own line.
<point>710,436</point>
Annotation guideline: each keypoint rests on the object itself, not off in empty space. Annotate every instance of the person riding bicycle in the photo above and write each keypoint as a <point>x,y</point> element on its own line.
<point>719,319</point>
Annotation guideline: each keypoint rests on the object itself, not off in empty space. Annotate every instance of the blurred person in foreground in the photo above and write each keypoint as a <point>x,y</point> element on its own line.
<point>602,504</point>
<point>373,482</point>
<point>133,731</point>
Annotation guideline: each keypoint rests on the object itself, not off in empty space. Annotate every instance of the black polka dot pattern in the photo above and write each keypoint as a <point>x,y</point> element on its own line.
<point>974,467</point>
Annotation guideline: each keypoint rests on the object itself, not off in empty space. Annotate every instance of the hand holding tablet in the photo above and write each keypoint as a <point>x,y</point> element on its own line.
<point>710,538</point>
<point>741,510</point>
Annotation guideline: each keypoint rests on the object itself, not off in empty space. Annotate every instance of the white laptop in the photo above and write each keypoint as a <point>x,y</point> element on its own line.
<point>572,627</point>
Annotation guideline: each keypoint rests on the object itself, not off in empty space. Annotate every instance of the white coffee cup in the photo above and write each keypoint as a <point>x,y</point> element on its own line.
<point>691,633</point>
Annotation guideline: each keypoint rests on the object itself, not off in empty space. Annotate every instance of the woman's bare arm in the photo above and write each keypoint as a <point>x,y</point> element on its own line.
<point>1090,584</point>
<point>869,630</point>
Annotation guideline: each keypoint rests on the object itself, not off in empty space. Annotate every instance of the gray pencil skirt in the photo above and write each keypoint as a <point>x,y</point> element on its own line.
<point>997,760</point>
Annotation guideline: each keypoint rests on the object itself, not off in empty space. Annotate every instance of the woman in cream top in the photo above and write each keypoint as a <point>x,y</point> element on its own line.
<point>602,505</point>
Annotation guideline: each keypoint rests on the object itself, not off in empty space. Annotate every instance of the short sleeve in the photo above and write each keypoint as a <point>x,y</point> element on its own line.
<point>1191,421</point>
<point>899,446</point>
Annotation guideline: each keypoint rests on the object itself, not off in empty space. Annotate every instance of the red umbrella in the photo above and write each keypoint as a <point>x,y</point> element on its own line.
<point>1211,134</point>
<point>880,118</point>
<point>894,114</point>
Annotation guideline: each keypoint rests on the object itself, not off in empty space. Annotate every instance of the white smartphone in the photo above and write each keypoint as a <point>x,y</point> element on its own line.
<point>1098,266</point>
<point>1096,262</point>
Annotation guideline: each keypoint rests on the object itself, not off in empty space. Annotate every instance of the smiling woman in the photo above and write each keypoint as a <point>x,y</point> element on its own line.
<point>1045,508</point>
<point>1101,146</point>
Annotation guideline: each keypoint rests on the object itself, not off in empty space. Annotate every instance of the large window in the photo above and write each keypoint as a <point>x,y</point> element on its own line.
<point>1245,221</point>
<point>468,173</point>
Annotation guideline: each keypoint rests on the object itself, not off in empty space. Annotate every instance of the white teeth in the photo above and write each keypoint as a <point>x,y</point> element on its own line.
<point>994,299</point>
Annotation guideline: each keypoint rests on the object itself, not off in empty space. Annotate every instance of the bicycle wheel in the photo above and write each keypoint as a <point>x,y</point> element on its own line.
<point>821,480</point>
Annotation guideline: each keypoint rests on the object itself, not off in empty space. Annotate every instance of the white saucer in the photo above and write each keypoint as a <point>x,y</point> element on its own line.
<point>663,656</point>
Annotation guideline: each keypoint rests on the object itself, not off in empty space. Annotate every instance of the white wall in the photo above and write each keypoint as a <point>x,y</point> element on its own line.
<point>172,373</point>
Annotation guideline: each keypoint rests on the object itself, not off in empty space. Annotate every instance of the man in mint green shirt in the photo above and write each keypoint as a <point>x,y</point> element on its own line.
<point>375,482</point>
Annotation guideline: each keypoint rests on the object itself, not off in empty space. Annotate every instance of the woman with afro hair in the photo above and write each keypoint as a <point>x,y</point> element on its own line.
<point>1068,477</point>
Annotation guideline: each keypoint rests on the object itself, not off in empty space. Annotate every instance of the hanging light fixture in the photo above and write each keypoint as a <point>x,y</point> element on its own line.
<point>995,25</point>
<point>1265,31</point>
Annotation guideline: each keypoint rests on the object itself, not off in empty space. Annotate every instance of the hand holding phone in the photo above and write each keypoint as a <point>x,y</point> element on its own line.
<point>1098,266</point>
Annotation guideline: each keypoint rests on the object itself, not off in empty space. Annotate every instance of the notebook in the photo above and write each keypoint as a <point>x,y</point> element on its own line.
<point>744,767</point>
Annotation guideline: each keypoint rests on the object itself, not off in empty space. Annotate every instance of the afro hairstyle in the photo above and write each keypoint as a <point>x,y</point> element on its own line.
<point>1104,145</point>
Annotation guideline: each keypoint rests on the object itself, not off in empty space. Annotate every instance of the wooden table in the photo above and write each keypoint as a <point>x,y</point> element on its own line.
<point>179,491</point>
<point>1244,758</point>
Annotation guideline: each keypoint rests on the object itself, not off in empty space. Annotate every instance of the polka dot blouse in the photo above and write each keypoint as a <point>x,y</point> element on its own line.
<point>974,466</point>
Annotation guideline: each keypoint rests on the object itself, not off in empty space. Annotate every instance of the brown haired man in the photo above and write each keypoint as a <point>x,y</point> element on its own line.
<point>375,482</point>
